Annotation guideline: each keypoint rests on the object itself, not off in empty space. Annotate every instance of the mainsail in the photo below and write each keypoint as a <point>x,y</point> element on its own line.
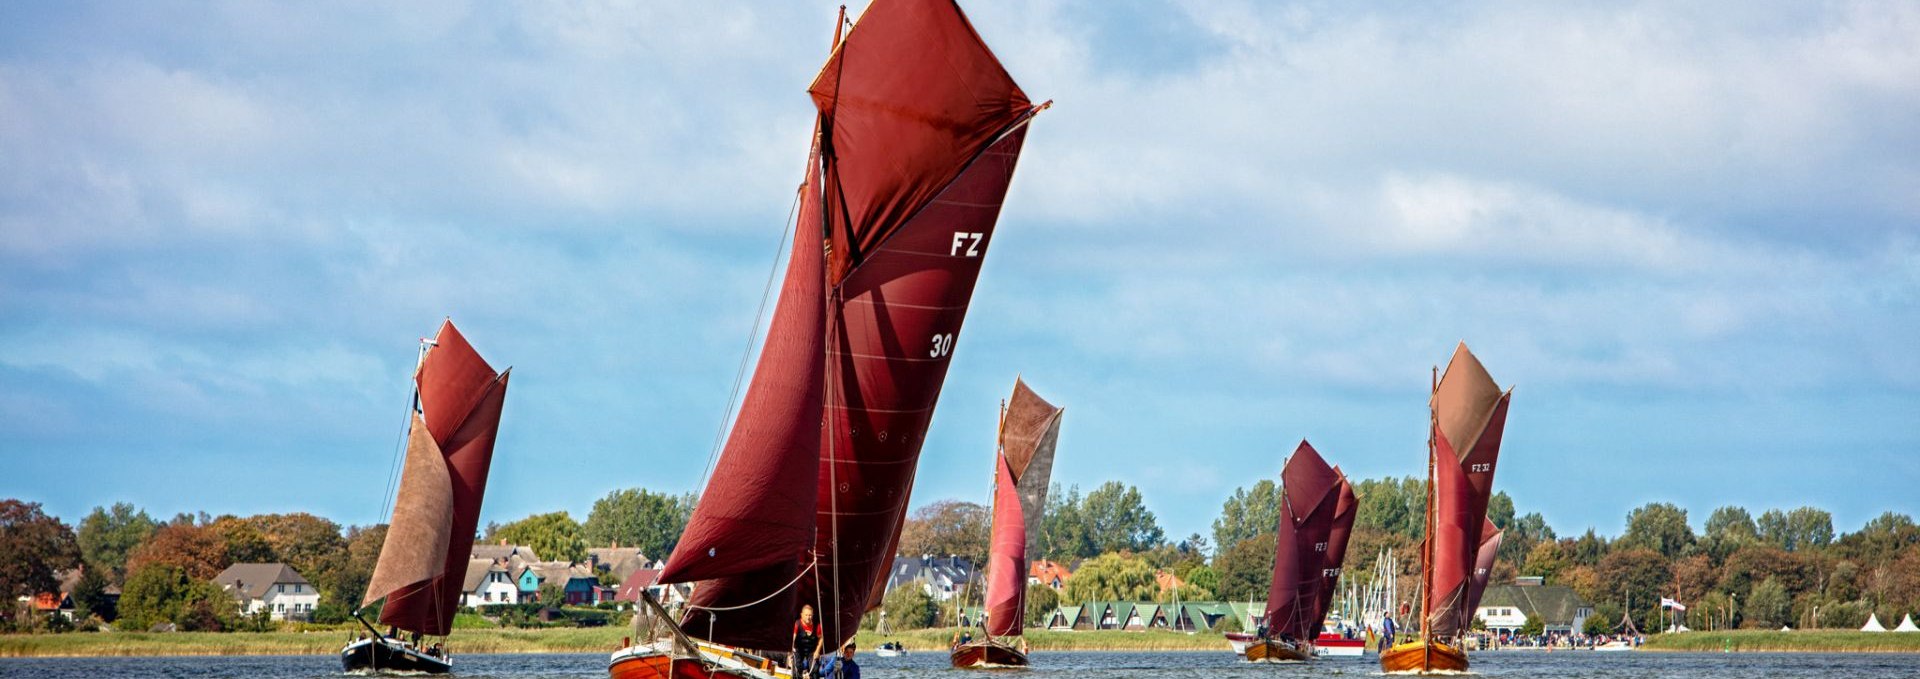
<point>918,131</point>
<point>1316,516</point>
<point>1469,416</point>
<point>1029,432</point>
<point>449,449</point>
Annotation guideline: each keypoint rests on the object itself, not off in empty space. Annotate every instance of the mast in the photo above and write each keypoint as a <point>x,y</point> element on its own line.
<point>1426,542</point>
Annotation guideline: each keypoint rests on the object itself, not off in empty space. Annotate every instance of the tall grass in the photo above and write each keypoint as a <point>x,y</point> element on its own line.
<point>1840,641</point>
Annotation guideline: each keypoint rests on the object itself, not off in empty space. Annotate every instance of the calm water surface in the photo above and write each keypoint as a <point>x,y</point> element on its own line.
<point>1581,665</point>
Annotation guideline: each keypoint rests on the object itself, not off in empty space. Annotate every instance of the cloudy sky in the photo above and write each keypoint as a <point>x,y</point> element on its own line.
<point>1689,235</point>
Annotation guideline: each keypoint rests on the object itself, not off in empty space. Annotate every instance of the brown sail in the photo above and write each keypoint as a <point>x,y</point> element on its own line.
<point>449,450</point>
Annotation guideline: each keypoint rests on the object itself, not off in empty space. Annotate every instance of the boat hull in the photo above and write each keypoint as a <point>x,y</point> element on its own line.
<point>1423,657</point>
<point>1277,650</point>
<point>1336,646</point>
<point>387,655</point>
<point>987,655</point>
<point>655,661</point>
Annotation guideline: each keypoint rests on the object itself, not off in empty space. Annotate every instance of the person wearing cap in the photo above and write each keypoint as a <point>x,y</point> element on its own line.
<point>841,666</point>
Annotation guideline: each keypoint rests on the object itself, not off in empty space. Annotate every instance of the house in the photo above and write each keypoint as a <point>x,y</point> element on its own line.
<point>1063,618</point>
<point>941,577</point>
<point>622,562</point>
<point>643,580</point>
<point>581,587</point>
<point>1049,573</point>
<point>275,587</point>
<point>1506,608</point>
<point>511,556</point>
<point>488,584</point>
<point>527,579</point>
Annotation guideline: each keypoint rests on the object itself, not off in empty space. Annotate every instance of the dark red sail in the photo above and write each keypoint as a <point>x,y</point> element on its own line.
<point>1470,413</point>
<point>1007,560</point>
<point>908,100</point>
<point>1310,503</point>
<point>1483,565</point>
<point>460,402</point>
<point>920,129</point>
<point>1345,507</point>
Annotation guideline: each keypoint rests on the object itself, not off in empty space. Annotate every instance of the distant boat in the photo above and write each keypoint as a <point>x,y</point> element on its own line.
<point>456,407</point>
<point>918,131</point>
<point>1468,413</point>
<point>1029,432</point>
<point>1316,517</point>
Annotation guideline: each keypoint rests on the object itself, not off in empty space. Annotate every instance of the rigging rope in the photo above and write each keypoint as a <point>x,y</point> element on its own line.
<point>759,314</point>
<point>796,579</point>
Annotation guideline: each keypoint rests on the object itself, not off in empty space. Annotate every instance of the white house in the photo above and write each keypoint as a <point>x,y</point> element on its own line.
<point>488,584</point>
<point>275,587</point>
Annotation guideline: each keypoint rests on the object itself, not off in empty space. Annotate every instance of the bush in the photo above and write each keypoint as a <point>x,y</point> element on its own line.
<point>1228,624</point>
<point>909,607</point>
<point>1041,602</point>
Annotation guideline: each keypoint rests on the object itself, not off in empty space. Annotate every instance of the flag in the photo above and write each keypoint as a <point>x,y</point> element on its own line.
<point>1669,603</point>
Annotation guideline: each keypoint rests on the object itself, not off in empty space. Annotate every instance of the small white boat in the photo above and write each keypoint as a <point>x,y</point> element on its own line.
<point>1616,645</point>
<point>890,650</point>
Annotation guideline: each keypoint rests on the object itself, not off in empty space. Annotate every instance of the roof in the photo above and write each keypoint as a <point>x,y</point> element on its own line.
<point>622,561</point>
<point>477,570</point>
<point>1047,571</point>
<point>1554,605</point>
<point>514,554</point>
<point>255,579</point>
<point>943,570</point>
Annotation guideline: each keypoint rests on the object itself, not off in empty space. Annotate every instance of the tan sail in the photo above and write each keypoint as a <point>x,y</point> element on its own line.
<point>417,539</point>
<point>1464,400</point>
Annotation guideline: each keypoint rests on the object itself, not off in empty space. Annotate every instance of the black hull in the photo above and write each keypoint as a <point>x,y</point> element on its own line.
<point>386,655</point>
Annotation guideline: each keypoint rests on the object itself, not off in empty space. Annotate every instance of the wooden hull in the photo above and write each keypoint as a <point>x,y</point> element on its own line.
<point>654,662</point>
<point>987,655</point>
<point>1277,650</point>
<point>1423,657</point>
<point>387,655</point>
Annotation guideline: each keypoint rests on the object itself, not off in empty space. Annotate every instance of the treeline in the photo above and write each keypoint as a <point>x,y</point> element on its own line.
<point>164,568</point>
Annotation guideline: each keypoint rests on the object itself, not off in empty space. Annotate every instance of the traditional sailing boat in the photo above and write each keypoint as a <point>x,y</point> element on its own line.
<point>1316,517</point>
<point>1029,430</point>
<point>917,134</point>
<point>457,399</point>
<point>1468,415</point>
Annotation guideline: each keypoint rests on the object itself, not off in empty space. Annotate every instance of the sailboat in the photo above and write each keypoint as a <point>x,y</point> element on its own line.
<point>1468,414</point>
<point>916,138</point>
<point>1316,516</point>
<point>1029,430</point>
<point>455,416</point>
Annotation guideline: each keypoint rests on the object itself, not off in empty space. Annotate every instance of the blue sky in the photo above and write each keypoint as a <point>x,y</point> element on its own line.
<point>1689,235</point>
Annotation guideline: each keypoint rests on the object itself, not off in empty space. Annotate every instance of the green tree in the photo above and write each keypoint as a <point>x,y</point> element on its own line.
<point>637,517</point>
<point>107,536</point>
<point>1204,577</point>
<point>909,607</point>
<point>1113,577</point>
<point>1247,513</point>
<point>1588,549</point>
<point>1041,602</point>
<point>90,596</point>
<point>1392,506</point>
<point>553,535</point>
<point>1117,519</point>
<point>161,592</point>
<point>1519,539</point>
<point>32,546</point>
<point>1727,529</point>
<point>1769,606</point>
<point>1064,532</point>
<point>1639,574</point>
<point>1244,569</point>
<point>1547,560</point>
<point>552,594</point>
<point>1533,627</point>
<point>948,527</point>
<point>1500,510</point>
<point>302,540</point>
<point>1809,528</point>
<point>1659,526</point>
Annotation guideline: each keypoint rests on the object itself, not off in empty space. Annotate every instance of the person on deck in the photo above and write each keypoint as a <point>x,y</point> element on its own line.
<point>1386,632</point>
<point>806,640</point>
<point>841,666</point>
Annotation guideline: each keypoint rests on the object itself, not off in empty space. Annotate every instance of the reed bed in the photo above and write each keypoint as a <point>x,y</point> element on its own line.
<point>1813,641</point>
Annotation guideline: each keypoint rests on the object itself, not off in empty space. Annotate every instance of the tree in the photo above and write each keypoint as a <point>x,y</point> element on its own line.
<point>1118,520</point>
<point>948,527</point>
<point>1204,578</point>
<point>1881,539</point>
<point>1392,506</point>
<point>553,535</point>
<point>1809,528</point>
<point>107,535</point>
<point>1247,513</point>
<point>1533,627</point>
<point>1588,550</point>
<point>1693,577</point>
<point>909,607</point>
<point>1757,562</point>
<point>1547,560</point>
<point>1636,573</point>
<point>198,550</point>
<point>1659,526</point>
<point>160,592</point>
<point>1500,510</point>
<point>637,517</point>
<point>1244,569</point>
<point>90,596</point>
<point>303,540</point>
<point>245,543</point>
<point>1768,607</point>
<point>32,546</point>
<point>1519,540</point>
<point>1064,532</point>
<point>1113,577</point>
<point>551,594</point>
<point>1041,601</point>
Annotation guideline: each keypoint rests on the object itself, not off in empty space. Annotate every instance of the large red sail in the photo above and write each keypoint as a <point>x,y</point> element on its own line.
<point>1345,507</point>
<point>1310,502</point>
<point>908,100</point>
<point>460,402</point>
<point>752,532</point>
<point>1483,564</point>
<point>920,129</point>
<point>1470,414</point>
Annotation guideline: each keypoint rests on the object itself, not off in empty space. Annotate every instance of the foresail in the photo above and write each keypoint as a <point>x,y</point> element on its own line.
<point>908,99</point>
<point>417,537</point>
<point>1007,561</point>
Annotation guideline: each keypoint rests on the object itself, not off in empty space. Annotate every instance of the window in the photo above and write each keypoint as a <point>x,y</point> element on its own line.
<point>280,588</point>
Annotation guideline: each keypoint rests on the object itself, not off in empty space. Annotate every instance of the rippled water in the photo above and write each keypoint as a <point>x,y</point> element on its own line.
<point>1580,665</point>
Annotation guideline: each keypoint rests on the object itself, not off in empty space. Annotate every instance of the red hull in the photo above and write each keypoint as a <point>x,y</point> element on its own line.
<point>654,665</point>
<point>987,654</point>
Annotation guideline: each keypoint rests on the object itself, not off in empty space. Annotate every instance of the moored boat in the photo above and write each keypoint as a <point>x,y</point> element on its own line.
<point>1023,466</point>
<point>917,133</point>
<point>1467,416</point>
<point>455,417</point>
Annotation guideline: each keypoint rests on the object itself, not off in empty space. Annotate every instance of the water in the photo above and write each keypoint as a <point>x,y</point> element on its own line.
<point>1048,665</point>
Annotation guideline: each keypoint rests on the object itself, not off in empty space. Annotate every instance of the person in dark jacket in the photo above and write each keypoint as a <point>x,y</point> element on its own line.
<point>841,666</point>
<point>806,641</point>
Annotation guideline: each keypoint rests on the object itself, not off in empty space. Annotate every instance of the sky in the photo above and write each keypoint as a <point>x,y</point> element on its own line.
<point>1686,234</point>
